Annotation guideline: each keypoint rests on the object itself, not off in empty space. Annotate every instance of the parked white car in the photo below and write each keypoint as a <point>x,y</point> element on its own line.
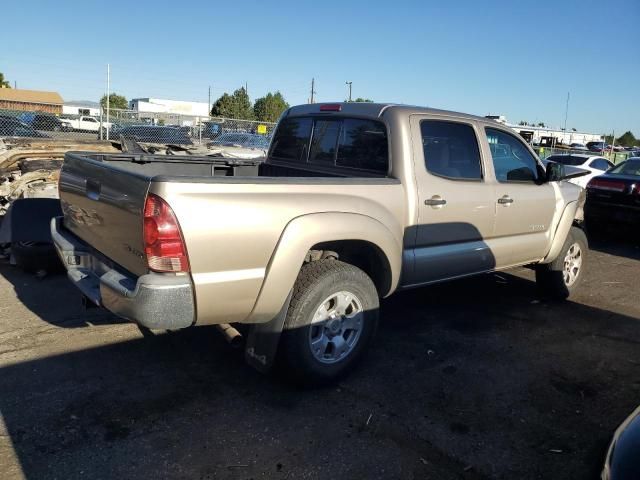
<point>578,146</point>
<point>594,164</point>
<point>85,123</point>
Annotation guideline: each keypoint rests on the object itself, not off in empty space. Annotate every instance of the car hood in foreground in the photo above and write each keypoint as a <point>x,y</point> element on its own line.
<point>623,457</point>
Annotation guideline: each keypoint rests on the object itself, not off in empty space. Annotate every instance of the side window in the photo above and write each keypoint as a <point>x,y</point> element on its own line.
<point>325,138</point>
<point>512,161</point>
<point>600,164</point>
<point>291,140</point>
<point>363,144</point>
<point>90,119</point>
<point>451,150</point>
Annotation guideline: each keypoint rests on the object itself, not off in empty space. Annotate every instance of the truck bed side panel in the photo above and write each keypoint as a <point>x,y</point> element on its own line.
<point>232,227</point>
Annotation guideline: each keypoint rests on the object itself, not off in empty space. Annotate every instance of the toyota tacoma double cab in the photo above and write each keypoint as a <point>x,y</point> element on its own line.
<point>353,202</point>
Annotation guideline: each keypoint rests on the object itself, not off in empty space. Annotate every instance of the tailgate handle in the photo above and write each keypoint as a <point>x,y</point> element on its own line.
<point>93,189</point>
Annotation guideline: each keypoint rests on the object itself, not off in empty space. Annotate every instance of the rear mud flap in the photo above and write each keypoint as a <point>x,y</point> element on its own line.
<point>262,343</point>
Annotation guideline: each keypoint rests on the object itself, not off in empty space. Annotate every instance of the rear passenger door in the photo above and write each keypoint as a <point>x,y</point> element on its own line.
<point>456,205</point>
<point>525,205</point>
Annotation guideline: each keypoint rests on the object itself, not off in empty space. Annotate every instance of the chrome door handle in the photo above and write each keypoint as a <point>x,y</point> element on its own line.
<point>505,200</point>
<point>435,201</point>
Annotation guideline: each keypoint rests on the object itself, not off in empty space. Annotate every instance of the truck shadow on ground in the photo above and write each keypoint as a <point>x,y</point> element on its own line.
<point>469,379</point>
<point>54,299</point>
<point>621,243</point>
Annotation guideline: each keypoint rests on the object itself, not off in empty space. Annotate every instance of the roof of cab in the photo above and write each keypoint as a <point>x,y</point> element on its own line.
<point>376,110</point>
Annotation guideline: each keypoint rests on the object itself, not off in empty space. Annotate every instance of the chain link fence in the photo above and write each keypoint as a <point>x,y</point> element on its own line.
<point>615,157</point>
<point>222,135</point>
<point>142,127</point>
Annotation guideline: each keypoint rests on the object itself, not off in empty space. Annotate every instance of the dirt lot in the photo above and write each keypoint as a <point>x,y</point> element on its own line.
<point>469,380</point>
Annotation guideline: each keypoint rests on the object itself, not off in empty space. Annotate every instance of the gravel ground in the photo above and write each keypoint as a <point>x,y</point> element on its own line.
<point>473,379</point>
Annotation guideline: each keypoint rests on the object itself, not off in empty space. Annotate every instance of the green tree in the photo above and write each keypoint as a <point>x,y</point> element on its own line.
<point>270,107</point>
<point>236,106</point>
<point>360,100</point>
<point>541,124</point>
<point>626,140</point>
<point>523,123</point>
<point>4,83</point>
<point>115,102</point>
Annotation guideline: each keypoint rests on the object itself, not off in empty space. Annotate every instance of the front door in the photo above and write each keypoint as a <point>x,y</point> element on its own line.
<point>525,204</point>
<point>456,204</point>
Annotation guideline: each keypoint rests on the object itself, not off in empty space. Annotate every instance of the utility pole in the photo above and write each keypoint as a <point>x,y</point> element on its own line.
<point>313,90</point>
<point>209,103</point>
<point>108,96</point>
<point>566,113</point>
<point>246,88</point>
<point>15,84</point>
<point>613,141</point>
<point>349,83</point>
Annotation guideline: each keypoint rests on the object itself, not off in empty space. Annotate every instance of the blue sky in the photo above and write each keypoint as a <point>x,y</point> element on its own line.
<point>513,58</point>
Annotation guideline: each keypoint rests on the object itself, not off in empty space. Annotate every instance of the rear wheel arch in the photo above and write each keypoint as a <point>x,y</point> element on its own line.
<point>304,233</point>
<point>363,254</point>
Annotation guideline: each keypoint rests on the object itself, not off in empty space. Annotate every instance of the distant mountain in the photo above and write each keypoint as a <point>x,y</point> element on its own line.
<point>82,103</point>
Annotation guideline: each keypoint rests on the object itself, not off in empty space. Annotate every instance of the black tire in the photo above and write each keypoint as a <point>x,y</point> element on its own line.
<point>35,256</point>
<point>553,279</point>
<point>316,282</point>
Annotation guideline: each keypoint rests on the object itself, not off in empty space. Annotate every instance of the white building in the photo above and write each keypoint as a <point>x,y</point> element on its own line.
<point>552,135</point>
<point>81,107</point>
<point>175,107</point>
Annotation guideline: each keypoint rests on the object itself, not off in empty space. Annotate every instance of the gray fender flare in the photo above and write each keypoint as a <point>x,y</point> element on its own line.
<point>304,232</point>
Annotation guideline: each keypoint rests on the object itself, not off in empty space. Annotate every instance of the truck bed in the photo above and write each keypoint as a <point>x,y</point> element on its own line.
<point>151,166</point>
<point>103,195</point>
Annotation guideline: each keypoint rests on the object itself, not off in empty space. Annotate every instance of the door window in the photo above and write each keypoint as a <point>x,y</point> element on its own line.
<point>512,160</point>
<point>451,150</point>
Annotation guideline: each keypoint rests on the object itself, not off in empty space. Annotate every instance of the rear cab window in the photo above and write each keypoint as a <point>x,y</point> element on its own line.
<point>353,145</point>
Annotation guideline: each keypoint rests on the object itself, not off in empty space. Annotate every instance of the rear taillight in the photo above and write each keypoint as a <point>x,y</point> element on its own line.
<point>609,185</point>
<point>163,242</point>
<point>635,189</point>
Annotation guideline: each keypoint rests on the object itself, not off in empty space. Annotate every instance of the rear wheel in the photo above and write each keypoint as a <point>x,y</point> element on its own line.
<point>331,320</point>
<point>560,278</point>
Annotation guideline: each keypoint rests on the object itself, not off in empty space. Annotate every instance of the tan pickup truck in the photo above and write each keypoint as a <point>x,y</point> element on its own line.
<point>353,202</point>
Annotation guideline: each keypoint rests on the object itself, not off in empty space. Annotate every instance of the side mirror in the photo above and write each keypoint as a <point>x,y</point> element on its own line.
<point>554,172</point>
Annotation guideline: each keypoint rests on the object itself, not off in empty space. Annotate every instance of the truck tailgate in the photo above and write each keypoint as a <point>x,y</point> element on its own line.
<point>103,205</point>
